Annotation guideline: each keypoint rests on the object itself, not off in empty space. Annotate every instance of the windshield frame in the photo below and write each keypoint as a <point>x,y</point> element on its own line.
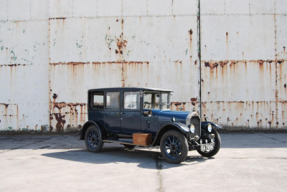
<point>152,104</point>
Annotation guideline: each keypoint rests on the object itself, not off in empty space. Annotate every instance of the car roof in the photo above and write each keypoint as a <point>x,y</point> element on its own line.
<point>130,89</point>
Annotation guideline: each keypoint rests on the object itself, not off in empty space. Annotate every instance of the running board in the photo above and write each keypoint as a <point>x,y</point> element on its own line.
<point>122,142</point>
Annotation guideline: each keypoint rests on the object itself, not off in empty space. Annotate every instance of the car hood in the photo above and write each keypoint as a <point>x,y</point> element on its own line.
<point>180,115</point>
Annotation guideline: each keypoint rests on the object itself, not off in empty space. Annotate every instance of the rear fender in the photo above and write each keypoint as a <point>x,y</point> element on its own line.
<point>82,133</point>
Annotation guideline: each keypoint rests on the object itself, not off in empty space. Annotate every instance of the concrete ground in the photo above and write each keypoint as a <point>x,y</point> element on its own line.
<point>246,162</point>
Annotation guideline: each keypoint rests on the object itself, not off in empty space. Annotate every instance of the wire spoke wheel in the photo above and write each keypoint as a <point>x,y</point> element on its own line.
<point>93,139</point>
<point>174,147</point>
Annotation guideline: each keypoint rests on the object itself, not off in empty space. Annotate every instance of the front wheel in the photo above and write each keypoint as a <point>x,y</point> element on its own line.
<point>209,146</point>
<point>174,147</point>
<point>93,139</point>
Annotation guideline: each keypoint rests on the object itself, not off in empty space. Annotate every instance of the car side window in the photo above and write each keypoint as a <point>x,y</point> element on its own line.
<point>147,101</point>
<point>113,100</point>
<point>98,100</point>
<point>151,101</point>
<point>132,100</point>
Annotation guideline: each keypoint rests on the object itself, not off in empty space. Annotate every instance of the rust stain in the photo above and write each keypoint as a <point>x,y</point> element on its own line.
<point>227,44</point>
<point>121,44</point>
<point>17,115</point>
<point>223,63</point>
<point>64,111</point>
<point>101,63</point>
<point>178,62</point>
<point>5,104</point>
<point>11,113</point>
<point>232,63</point>
<point>123,76</point>
<point>193,101</point>
<point>210,64</point>
<point>57,18</point>
<point>55,97</point>
<point>60,122</point>
<point>190,43</point>
<point>70,63</point>
<point>214,64</point>
<point>260,62</point>
<point>14,65</point>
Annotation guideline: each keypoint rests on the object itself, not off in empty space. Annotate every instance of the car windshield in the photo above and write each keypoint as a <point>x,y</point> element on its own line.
<point>156,100</point>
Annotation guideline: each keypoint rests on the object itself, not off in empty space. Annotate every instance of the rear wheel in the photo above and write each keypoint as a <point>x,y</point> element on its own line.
<point>93,139</point>
<point>174,147</point>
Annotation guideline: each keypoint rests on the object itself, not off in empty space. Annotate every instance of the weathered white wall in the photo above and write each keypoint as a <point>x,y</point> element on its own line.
<point>53,51</point>
<point>244,59</point>
<point>24,53</point>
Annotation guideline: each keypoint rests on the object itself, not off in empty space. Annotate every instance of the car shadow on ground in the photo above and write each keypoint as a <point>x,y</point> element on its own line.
<point>117,154</point>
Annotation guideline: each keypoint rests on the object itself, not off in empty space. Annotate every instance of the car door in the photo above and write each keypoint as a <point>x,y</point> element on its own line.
<point>112,112</point>
<point>150,105</point>
<point>131,113</point>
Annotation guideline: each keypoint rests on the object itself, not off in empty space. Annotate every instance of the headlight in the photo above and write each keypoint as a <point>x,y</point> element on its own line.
<point>192,128</point>
<point>209,127</point>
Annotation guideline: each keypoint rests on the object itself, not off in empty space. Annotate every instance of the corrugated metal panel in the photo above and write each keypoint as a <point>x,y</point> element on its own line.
<point>52,52</point>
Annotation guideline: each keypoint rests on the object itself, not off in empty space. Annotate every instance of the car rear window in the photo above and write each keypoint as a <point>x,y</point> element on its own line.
<point>98,100</point>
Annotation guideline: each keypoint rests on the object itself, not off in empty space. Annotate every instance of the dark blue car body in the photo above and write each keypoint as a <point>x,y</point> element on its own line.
<point>119,113</point>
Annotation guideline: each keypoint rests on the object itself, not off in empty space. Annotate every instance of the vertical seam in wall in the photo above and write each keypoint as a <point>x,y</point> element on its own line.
<point>30,10</point>
<point>172,7</point>
<point>49,67</point>
<point>199,54</point>
<point>276,65</point>
<point>7,10</point>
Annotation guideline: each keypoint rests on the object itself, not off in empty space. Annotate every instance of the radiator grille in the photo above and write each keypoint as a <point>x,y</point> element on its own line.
<point>195,120</point>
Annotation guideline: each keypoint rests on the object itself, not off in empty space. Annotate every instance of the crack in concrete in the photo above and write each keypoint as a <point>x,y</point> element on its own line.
<point>159,173</point>
<point>25,145</point>
<point>275,139</point>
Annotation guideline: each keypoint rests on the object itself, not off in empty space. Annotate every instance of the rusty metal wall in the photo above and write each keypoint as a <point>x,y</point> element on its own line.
<point>24,99</point>
<point>244,63</point>
<point>53,51</point>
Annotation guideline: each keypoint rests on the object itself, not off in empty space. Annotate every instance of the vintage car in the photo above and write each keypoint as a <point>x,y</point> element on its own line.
<point>142,117</point>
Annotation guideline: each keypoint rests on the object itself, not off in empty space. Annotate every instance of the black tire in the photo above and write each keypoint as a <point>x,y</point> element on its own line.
<point>129,146</point>
<point>174,147</point>
<point>216,148</point>
<point>93,139</point>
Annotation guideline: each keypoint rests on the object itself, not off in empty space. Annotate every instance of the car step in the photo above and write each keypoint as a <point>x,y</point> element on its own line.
<point>123,142</point>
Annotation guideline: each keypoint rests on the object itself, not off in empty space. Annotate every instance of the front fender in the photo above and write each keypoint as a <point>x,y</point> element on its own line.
<point>182,127</point>
<point>171,126</point>
<point>205,123</point>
